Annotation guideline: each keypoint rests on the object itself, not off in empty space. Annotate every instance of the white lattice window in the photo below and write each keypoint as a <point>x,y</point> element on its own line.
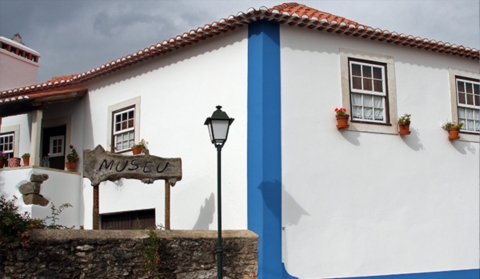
<point>368,91</point>
<point>7,144</point>
<point>57,146</point>
<point>468,101</point>
<point>124,129</point>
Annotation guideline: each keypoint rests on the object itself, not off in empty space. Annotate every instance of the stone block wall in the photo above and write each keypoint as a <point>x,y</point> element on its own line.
<point>120,254</point>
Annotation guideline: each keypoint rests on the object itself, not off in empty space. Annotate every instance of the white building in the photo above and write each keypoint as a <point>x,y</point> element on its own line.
<point>326,203</point>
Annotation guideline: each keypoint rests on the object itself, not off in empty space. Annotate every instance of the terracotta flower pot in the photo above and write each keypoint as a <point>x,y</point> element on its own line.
<point>404,129</point>
<point>71,166</point>
<point>137,150</point>
<point>26,161</point>
<point>14,162</point>
<point>342,121</point>
<point>453,133</point>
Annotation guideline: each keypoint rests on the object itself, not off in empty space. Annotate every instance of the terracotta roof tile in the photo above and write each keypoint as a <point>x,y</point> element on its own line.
<point>293,14</point>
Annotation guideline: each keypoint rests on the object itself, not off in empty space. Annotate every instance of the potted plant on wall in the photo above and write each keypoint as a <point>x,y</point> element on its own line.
<point>14,162</point>
<point>3,158</point>
<point>26,159</point>
<point>139,147</point>
<point>453,130</point>
<point>342,118</point>
<point>72,159</point>
<point>404,124</point>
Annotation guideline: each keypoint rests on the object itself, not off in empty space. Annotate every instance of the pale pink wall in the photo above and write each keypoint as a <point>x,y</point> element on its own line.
<point>16,71</point>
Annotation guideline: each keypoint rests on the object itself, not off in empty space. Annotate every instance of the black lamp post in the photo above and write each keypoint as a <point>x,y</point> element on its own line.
<point>218,126</point>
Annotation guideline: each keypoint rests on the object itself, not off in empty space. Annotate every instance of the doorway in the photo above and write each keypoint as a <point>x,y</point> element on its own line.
<point>53,147</point>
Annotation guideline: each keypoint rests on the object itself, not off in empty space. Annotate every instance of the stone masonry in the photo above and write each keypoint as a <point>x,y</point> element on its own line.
<point>120,254</point>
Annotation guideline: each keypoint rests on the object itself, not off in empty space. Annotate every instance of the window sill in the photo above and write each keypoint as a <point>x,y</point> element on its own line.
<point>377,128</point>
<point>469,137</point>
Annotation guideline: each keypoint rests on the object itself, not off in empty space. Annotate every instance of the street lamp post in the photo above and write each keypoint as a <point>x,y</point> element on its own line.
<point>218,126</point>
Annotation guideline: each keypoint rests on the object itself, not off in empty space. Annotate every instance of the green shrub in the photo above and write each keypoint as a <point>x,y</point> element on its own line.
<point>14,226</point>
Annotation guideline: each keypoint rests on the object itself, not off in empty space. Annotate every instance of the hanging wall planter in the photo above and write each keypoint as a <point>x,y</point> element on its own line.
<point>139,147</point>
<point>453,130</point>
<point>453,133</point>
<point>404,124</point>
<point>342,118</point>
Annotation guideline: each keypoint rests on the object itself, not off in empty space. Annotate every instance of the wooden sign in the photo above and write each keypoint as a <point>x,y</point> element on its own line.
<point>99,166</point>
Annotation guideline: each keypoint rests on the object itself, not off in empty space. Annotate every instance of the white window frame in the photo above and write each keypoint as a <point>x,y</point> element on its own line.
<point>475,108</point>
<point>50,146</point>
<point>9,152</point>
<point>123,131</point>
<point>389,125</point>
<point>455,74</point>
<point>116,108</point>
<point>367,93</point>
<point>15,129</point>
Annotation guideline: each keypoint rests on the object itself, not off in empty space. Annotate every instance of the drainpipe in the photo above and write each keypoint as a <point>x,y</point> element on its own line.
<point>35,139</point>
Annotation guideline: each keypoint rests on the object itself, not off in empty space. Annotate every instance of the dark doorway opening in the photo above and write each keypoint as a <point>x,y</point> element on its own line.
<point>53,147</point>
<point>139,219</point>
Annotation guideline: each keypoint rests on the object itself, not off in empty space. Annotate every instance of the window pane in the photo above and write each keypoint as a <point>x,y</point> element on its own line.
<point>469,99</point>
<point>130,114</point>
<point>477,124</point>
<point>367,101</point>
<point>367,71</point>
<point>130,123</point>
<point>357,99</point>
<point>369,113</point>
<point>477,115</point>
<point>378,102</point>
<point>477,100</point>
<point>377,73</point>
<point>377,86</point>
<point>357,112</point>
<point>469,113</point>
<point>461,112</point>
<point>470,125</point>
<point>461,98</point>
<point>357,83</point>
<point>367,84</point>
<point>356,70</point>
<point>469,87</point>
<point>379,114</point>
<point>461,86</point>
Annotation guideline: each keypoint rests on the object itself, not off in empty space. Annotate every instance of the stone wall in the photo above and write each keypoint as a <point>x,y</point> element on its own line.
<point>120,254</point>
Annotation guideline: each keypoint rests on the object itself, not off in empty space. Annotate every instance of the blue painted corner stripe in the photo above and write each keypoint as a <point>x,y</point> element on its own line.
<point>264,147</point>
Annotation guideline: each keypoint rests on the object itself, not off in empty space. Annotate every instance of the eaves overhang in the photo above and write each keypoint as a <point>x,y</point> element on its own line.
<point>25,103</point>
<point>292,14</point>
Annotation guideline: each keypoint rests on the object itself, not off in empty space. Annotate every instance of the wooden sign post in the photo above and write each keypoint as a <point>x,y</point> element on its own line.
<point>99,166</point>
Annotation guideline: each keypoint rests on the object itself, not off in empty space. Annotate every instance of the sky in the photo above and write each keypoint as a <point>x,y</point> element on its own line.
<point>74,36</point>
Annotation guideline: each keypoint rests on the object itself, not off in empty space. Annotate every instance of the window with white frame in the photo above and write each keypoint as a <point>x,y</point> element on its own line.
<point>368,91</point>
<point>7,144</point>
<point>123,129</point>
<point>468,102</point>
<point>57,146</point>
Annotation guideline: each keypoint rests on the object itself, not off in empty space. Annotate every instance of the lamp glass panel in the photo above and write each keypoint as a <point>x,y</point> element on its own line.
<point>210,132</point>
<point>220,129</point>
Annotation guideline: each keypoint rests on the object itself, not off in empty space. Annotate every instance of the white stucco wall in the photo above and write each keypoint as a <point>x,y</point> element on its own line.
<point>357,203</point>
<point>178,92</point>
<point>60,188</point>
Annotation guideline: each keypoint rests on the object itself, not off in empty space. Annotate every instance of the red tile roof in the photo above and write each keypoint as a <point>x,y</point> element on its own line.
<point>293,14</point>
